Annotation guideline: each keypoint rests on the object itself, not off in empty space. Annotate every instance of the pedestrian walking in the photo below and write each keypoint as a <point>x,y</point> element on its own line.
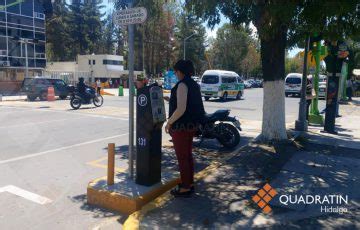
<point>98,86</point>
<point>110,83</point>
<point>310,94</point>
<point>349,89</point>
<point>186,110</point>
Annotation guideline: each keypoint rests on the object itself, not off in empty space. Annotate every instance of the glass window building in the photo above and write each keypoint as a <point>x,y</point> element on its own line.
<point>22,23</point>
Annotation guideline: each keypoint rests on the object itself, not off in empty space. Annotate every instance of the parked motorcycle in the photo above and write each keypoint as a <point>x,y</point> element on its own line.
<point>220,126</point>
<point>77,99</point>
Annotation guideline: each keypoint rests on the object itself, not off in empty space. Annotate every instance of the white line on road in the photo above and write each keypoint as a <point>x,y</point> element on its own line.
<point>66,112</point>
<point>38,123</point>
<point>58,149</point>
<point>25,194</point>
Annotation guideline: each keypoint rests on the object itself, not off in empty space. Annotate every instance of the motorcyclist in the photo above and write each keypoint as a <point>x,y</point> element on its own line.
<point>81,86</point>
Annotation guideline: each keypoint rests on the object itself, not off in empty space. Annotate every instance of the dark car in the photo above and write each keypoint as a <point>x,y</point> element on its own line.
<point>38,87</point>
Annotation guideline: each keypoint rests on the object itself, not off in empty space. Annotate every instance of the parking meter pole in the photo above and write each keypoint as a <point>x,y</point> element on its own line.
<point>314,116</point>
<point>131,97</point>
<point>301,124</point>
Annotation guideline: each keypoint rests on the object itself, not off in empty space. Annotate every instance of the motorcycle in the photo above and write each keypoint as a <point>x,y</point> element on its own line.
<point>220,126</point>
<point>77,99</point>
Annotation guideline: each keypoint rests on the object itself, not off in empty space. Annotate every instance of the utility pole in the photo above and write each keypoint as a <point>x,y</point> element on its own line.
<point>301,124</point>
<point>131,96</point>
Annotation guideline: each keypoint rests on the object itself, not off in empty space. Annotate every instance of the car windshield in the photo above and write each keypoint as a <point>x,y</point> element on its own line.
<point>210,79</point>
<point>293,80</point>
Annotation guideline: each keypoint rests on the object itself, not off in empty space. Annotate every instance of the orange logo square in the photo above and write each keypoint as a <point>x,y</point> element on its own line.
<point>263,197</point>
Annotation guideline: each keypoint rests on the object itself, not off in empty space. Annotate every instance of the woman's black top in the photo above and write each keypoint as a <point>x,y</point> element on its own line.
<point>194,112</point>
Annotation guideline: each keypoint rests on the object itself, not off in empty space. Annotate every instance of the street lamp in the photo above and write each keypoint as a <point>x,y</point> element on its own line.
<point>26,41</point>
<point>185,39</point>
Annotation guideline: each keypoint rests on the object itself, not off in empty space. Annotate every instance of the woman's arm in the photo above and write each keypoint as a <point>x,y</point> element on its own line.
<point>181,94</point>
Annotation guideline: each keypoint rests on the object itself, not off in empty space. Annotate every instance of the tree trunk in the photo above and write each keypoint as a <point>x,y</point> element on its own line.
<point>273,66</point>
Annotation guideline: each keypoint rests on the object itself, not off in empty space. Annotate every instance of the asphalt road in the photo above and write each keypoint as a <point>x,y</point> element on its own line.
<point>49,154</point>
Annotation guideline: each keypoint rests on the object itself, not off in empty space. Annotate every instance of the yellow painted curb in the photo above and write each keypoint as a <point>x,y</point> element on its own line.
<point>123,203</point>
<point>133,221</point>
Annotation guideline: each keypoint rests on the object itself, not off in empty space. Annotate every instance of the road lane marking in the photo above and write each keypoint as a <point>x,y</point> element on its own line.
<point>38,123</point>
<point>58,149</point>
<point>66,112</point>
<point>25,194</point>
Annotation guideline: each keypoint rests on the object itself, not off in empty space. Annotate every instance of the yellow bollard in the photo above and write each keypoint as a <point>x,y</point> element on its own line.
<point>111,164</point>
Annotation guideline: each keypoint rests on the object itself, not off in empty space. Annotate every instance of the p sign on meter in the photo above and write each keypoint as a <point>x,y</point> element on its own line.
<point>142,100</point>
<point>150,117</point>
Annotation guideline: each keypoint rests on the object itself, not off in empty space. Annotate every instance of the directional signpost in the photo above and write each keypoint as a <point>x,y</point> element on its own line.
<point>129,17</point>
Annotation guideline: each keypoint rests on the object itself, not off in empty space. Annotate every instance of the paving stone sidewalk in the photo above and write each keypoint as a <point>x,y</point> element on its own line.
<point>223,199</point>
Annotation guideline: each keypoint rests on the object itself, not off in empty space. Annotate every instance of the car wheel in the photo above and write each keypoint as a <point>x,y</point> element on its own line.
<point>238,96</point>
<point>43,96</point>
<point>31,97</point>
<point>63,97</point>
<point>224,97</point>
<point>207,98</point>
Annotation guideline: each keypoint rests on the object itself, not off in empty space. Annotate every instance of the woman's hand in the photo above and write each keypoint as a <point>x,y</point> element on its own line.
<point>167,127</point>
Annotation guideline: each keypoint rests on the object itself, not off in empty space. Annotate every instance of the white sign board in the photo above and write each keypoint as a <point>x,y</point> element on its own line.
<point>136,15</point>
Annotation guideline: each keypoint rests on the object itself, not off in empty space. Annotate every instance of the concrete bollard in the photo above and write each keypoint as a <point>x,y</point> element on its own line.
<point>111,164</point>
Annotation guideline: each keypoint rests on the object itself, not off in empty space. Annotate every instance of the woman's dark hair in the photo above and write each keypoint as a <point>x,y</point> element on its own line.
<point>185,66</point>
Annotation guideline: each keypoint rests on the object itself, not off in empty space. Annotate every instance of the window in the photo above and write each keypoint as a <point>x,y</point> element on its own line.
<point>2,16</point>
<point>40,36</point>
<point>13,32</point>
<point>14,48</point>
<point>210,79</point>
<point>93,62</point>
<point>39,15</point>
<point>2,31</point>
<point>14,8</point>
<point>89,62</point>
<point>111,62</point>
<point>41,63</point>
<point>229,80</point>
<point>3,43</point>
<point>39,23</point>
<point>27,8</point>
<point>40,48</point>
<point>27,34</point>
<point>293,80</point>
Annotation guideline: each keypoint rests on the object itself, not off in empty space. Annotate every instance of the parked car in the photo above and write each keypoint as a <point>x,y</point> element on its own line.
<point>322,86</point>
<point>293,84</point>
<point>221,84</point>
<point>247,84</point>
<point>38,87</point>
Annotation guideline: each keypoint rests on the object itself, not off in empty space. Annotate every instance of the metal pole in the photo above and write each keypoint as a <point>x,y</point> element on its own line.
<point>131,97</point>
<point>314,103</point>
<point>26,59</point>
<point>301,123</point>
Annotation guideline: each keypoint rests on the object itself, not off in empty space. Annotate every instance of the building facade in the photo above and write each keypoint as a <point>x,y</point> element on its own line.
<point>22,30</point>
<point>91,67</point>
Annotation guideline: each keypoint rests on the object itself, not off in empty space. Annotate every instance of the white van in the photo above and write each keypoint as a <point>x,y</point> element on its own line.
<point>293,84</point>
<point>221,84</point>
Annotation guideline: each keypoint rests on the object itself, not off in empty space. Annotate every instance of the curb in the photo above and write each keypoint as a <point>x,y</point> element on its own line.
<point>133,221</point>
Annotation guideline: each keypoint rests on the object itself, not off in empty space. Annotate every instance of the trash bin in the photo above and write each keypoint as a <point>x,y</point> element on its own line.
<point>121,90</point>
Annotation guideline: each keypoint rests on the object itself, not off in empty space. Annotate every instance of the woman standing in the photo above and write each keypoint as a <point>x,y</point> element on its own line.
<point>186,110</point>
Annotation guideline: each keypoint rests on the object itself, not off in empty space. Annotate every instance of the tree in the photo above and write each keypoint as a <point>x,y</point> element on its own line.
<point>84,26</point>
<point>188,25</point>
<point>57,37</point>
<point>294,65</point>
<point>280,25</point>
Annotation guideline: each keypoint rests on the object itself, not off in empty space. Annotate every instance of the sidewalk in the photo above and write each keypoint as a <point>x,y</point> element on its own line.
<point>318,165</point>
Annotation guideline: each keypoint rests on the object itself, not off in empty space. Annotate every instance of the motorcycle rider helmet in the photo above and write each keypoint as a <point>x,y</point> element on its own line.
<point>81,79</point>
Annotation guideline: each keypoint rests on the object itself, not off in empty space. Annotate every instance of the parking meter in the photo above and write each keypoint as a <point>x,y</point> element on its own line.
<point>150,117</point>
